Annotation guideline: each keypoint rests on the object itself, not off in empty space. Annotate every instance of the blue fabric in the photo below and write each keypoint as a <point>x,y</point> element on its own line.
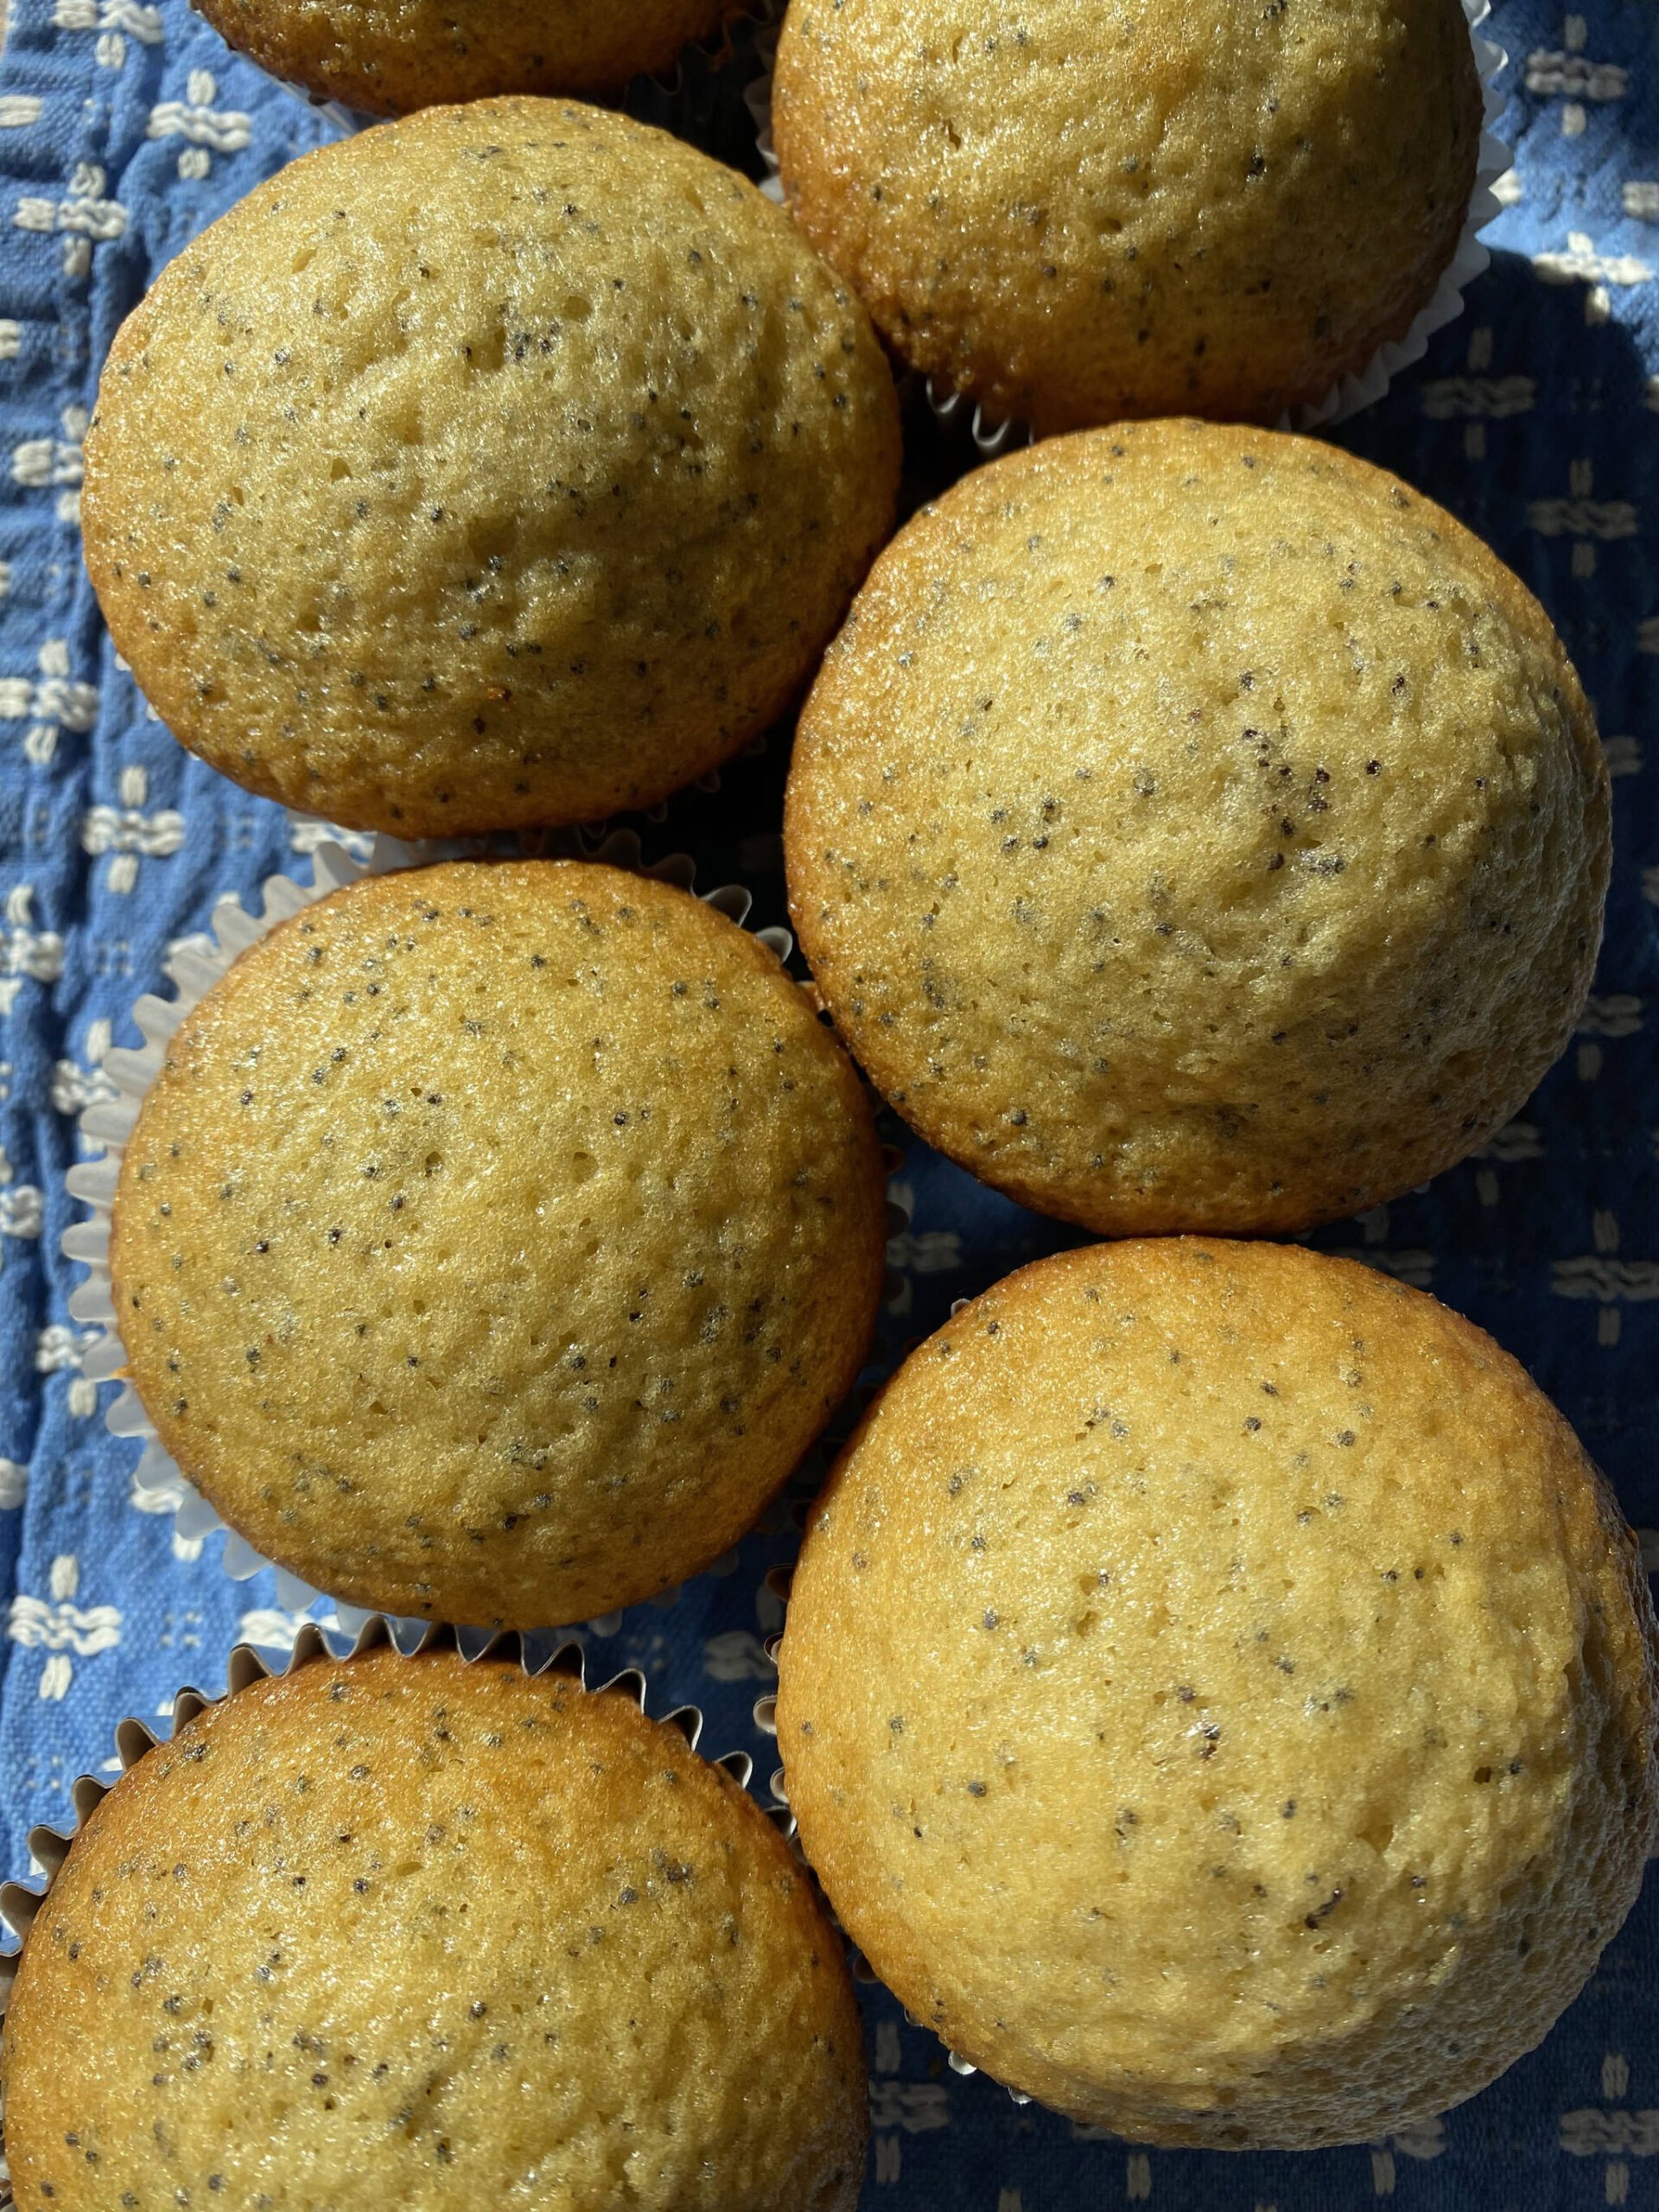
<point>124,129</point>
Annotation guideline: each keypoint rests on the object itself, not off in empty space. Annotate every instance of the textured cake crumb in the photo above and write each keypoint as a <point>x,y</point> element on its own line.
<point>1145,207</point>
<point>509,465</point>
<point>1278,1683</point>
<point>390,57</point>
<point>496,1238</point>
<point>413,1932</point>
<point>1193,828</point>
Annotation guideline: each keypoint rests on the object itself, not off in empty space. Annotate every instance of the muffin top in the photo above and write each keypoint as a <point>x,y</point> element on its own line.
<point>1219,1695</point>
<point>509,465</point>
<point>387,57</point>
<point>1192,827</point>
<point>413,1932</point>
<point>496,1238</point>
<point>1138,208</point>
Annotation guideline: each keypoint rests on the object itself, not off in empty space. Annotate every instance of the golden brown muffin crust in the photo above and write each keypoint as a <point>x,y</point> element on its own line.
<point>1135,208</point>
<point>1219,1696</point>
<point>388,57</point>
<point>412,1932</point>
<point>510,465</point>
<point>1193,828</point>
<point>496,1238</point>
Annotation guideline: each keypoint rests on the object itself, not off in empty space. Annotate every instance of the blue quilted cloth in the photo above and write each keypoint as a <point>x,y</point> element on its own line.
<point>124,127</point>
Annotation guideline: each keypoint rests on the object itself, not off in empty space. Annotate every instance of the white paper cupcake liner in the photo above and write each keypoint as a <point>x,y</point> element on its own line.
<point>1355,391</point>
<point>195,965</point>
<point>777,1581</point>
<point>49,1848</point>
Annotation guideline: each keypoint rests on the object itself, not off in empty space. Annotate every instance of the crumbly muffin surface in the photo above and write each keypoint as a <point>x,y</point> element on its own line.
<point>495,1239</point>
<point>1219,1695</point>
<point>388,57</point>
<point>1140,208</point>
<point>1192,827</point>
<point>405,1931</point>
<point>509,465</point>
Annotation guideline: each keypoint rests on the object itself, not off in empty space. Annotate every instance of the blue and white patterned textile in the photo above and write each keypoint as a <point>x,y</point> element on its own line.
<point>124,127</point>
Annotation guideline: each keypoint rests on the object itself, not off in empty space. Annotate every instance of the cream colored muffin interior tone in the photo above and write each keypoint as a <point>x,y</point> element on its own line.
<point>510,465</point>
<point>1219,1695</point>
<point>495,1239</point>
<point>390,56</point>
<point>1100,210</point>
<point>411,1932</point>
<point>1192,827</point>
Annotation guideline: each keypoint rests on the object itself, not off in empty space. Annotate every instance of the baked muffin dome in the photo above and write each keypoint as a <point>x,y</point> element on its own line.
<point>1170,206</point>
<point>386,57</point>
<point>495,1239</point>
<point>1194,829</point>
<point>507,466</point>
<point>1219,1695</point>
<point>407,1931</point>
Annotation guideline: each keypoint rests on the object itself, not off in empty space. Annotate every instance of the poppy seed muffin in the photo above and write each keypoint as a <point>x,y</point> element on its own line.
<point>412,1932</point>
<point>505,466</point>
<point>1219,1695</point>
<point>387,57</point>
<point>495,1239</point>
<point>1194,829</point>
<point>1155,207</point>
